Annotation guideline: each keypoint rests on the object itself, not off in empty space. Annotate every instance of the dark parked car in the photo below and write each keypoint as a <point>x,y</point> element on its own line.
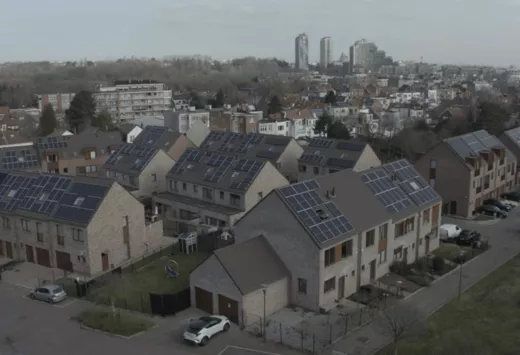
<point>468,237</point>
<point>511,196</point>
<point>499,204</point>
<point>491,210</point>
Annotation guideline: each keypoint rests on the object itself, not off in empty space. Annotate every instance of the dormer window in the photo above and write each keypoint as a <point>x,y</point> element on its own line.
<point>79,201</point>
<point>12,193</point>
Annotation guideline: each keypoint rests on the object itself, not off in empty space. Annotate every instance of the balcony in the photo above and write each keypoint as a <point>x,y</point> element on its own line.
<point>60,239</point>
<point>39,237</point>
<point>503,177</point>
<point>479,189</point>
<point>486,186</point>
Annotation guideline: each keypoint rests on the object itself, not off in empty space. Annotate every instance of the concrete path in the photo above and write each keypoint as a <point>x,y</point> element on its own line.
<point>505,244</point>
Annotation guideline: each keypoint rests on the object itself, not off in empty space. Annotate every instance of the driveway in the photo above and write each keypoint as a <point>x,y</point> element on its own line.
<point>505,244</point>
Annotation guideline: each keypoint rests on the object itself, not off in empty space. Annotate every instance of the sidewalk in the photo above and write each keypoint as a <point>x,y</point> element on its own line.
<point>504,246</point>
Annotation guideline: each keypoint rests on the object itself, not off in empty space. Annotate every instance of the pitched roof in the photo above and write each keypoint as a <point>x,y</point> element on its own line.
<point>126,128</point>
<point>130,159</point>
<point>74,145</point>
<point>514,135</point>
<point>333,153</point>
<point>293,114</point>
<point>474,143</point>
<point>21,156</point>
<point>328,207</point>
<point>158,137</point>
<point>216,170</point>
<point>251,145</point>
<point>73,200</point>
<point>237,260</point>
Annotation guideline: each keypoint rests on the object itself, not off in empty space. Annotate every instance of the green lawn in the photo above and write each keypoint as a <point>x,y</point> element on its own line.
<point>119,323</point>
<point>486,320</point>
<point>132,290</point>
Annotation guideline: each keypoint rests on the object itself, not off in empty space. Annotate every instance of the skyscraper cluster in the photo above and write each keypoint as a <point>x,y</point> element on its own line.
<point>302,52</point>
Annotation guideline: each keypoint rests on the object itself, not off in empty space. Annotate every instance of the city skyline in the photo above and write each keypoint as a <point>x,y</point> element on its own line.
<point>51,31</point>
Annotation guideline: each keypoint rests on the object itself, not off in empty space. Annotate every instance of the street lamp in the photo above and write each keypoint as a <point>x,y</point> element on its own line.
<point>462,254</point>
<point>264,291</point>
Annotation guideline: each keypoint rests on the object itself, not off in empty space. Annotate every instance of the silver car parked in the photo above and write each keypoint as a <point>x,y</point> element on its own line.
<point>49,293</point>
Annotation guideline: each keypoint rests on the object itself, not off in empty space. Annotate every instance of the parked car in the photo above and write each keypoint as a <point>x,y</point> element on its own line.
<point>448,232</point>
<point>48,293</point>
<point>497,203</point>
<point>468,237</point>
<point>511,196</point>
<point>201,330</point>
<point>491,210</point>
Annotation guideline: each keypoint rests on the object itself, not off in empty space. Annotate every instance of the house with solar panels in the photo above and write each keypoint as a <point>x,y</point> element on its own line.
<point>209,190</point>
<point>511,139</point>
<point>78,224</point>
<point>326,156</point>
<point>468,169</point>
<point>21,156</point>
<point>332,234</point>
<point>282,152</point>
<point>140,170</point>
<point>158,137</point>
<point>81,154</point>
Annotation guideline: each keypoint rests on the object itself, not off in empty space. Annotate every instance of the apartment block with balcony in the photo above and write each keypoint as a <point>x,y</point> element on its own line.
<point>468,169</point>
<point>82,154</point>
<point>128,100</point>
<point>78,224</point>
<point>282,152</point>
<point>326,156</point>
<point>142,171</point>
<point>182,121</point>
<point>60,102</point>
<point>332,235</point>
<point>211,190</point>
<point>292,123</point>
<point>159,137</point>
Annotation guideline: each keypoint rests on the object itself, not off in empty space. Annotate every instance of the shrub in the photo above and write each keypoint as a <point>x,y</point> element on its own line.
<point>420,280</point>
<point>420,265</point>
<point>400,268</point>
<point>438,264</point>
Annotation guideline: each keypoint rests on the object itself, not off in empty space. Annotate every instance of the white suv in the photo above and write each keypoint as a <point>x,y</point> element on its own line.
<point>201,330</point>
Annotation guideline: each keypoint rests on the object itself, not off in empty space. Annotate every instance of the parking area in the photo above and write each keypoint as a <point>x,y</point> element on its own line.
<point>235,350</point>
<point>29,275</point>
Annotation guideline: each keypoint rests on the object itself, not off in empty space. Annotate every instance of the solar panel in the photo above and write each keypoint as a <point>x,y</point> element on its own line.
<point>323,220</point>
<point>341,163</point>
<point>211,138</point>
<point>51,143</point>
<point>20,159</point>
<point>190,155</point>
<point>312,158</point>
<point>419,191</point>
<point>273,140</point>
<point>69,210</point>
<point>220,165</point>
<point>149,135</point>
<point>393,198</point>
<point>352,146</point>
<point>249,141</point>
<point>268,154</point>
<point>321,143</point>
<point>251,169</point>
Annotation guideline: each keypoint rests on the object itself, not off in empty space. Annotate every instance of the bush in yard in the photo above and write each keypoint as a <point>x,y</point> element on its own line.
<point>420,265</point>
<point>438,264</point>
<point>400,268</point>
<point>420,280</point>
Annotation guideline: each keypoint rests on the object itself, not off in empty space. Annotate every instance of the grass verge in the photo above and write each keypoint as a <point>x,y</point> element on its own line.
<point>119,323</point>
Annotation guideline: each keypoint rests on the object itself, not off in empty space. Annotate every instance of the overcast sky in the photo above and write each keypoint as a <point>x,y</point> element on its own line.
<point>444,31</point>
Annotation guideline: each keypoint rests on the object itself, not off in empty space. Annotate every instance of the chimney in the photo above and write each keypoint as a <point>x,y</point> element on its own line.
<point>333,192</point>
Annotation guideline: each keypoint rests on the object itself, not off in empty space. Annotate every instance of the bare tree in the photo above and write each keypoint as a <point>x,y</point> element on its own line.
<point>401,322</point>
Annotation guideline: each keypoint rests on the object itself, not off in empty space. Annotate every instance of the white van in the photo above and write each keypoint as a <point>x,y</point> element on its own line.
<point>449,231</point>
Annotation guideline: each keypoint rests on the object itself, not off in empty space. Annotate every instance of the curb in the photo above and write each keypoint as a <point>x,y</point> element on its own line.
<point>84,327</point>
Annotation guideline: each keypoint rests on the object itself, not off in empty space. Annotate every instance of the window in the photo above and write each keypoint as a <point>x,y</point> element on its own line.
<point>399,229</point>
<point>382,257</point>
<point>90,168</point>
<point>433,169</point>
<point>329,285</point>
<point>234,199</point>
<point>398,253</point>
<point>60,239</point>
<point>370,238</point>
<point>410,225</point>
<point>25,225</point>
<point>79,201</point>
<point>302,168</point>
<point>195,189</point>
<point>330,257</point>
<point>383,231</point>
<point>77,235</point>
<point>184,186</point>
<point>426,216</point>
<point>221,195</point>
<point>214,222</point>
<point>154,177</point>
<point>65,170</point>
<point>6,222</point>
<point>93,155</point>
<point>433,164</point>
<point>207,193</point>
<point>59,235</point>
<point>316,170</point>
<point>302,285</point>
<point>346,249</point>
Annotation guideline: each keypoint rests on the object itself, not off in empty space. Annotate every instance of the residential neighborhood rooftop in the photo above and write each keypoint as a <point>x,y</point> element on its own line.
<point>20,156</point>
<point>130,159</point>
<point>158,137</point>
<point>474,143</point>
<point>341,154</point>
<point>74,145</point>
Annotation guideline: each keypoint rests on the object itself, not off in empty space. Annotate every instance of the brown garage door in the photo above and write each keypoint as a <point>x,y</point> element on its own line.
<point>42,257</point>
<point>228,307</point>
<point>9,250</point>
<point>204,300</point>
<point>63,261</point>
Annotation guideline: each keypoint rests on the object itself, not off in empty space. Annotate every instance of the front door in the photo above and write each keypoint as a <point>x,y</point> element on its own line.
<point>453,207</point>
<point>427,246</point>
<point>104,261</point>
<point>29,253</point>
<point>9,250</point>
<point>372,270</point>
<point>405,255</point>
<point>341,287</point>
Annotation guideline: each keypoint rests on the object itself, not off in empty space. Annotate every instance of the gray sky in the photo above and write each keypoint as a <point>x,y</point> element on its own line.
<point>445,31</point>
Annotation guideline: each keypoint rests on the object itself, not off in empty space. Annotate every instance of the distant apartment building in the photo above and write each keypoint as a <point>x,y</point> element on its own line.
<point>362,54</point>
<point>292,123</point>
<point>134,99</point>
<point>301,49</point>
<point>60,102</point>
<point>237,122</point>
<point>325,51</point>
<point>182,121</point>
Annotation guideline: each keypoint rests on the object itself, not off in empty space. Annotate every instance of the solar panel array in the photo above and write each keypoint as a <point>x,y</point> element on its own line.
<point>228,144</point>
<point>212,137</point>
<point>51,143</point>
<point>251,138</point>
<point>341,163</point>
<point>412,183</point>
<point>321,143</point>
<point>219,165</point>
<point>472,144</point>
<point>141,154</point>
<point>267,154</point>
<point>51,195</point>
<point>251,169</point>
<point>149,135</point>
<point>21,159</point>
<point>352,146</point>
<point>392,196</point>
<point>190,155</point>
<point>274,140</point>
<point>323,219</point>
<point>312,158</point>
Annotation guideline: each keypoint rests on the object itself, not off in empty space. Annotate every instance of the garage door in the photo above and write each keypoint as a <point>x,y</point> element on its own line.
<point>63,261</point>
<point>228,307</point>
<point>42,257</point>
<point>204,300</point>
